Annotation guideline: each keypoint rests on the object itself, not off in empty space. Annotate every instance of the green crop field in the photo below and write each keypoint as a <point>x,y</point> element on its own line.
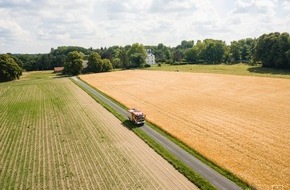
<point>55,136</point>
<point>232,69</point>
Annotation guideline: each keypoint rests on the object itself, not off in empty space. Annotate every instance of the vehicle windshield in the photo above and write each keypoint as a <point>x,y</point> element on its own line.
<point>140,117</point>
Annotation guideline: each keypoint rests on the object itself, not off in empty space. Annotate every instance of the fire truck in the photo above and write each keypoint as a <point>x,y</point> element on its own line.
<point>136,116</point>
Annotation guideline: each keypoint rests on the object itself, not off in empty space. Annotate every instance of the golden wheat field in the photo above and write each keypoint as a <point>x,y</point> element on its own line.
<point>241,123</point>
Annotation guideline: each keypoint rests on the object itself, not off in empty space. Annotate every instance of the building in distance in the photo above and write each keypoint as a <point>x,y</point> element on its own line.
<point>150,59</point>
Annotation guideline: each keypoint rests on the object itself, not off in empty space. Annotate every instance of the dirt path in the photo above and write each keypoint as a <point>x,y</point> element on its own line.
<point>61,138</point>
<point>242,123</point>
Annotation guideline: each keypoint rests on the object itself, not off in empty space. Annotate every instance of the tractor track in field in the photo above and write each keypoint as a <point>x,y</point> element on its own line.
<point>205,171</point>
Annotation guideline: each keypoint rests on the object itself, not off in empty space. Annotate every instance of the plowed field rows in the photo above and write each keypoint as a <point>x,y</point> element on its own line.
<point>55,136</point>
<point>241,123</point>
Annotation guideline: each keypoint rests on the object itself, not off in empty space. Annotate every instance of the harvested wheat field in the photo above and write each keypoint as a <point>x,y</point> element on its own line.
<point>242,123</point>
<point>55,136</point>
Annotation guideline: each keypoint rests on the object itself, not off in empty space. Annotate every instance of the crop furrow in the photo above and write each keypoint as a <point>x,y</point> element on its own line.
<point>17,163</point>
<point>43,156</point>
<point>122,160</point>
<point>8,154</point>
<point>68,140</point>
<point>63,153</point>
<point>90,154</point>
<point>76,133</point>
<point>100,159</point>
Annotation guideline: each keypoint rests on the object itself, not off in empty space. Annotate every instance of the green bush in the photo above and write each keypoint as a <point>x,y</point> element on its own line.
<point>9,69</point>
<point>107,65</point>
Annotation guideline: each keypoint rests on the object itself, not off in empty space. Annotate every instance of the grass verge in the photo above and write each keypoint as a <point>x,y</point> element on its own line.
<point>178,164</point>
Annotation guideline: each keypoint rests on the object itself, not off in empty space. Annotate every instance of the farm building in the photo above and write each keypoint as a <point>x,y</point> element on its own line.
<point>58,69</point>
<point>150,59</point>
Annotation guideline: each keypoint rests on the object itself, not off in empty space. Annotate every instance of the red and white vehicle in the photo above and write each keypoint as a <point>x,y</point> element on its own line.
<point>136,116</point>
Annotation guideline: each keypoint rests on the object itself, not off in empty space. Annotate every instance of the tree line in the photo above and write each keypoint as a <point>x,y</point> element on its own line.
<point>269,50</point>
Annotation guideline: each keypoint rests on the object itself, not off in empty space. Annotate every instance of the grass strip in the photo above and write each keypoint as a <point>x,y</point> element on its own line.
<point>179,165</point>
<point>230,69</point>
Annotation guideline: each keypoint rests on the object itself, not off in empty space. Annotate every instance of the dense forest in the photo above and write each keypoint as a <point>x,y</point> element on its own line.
<point>269,50</point>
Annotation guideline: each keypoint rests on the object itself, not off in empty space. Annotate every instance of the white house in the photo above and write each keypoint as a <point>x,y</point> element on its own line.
<point>150,59</point>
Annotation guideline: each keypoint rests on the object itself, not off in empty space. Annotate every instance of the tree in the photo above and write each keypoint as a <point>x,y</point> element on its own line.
<point>117,63</point>
<point>16,59</point>
<point>95,63</point>
<point>9,69</point>
<point>187,44</point>
<point>29,61</point>
<point>44,62</point>
<point>177,55</point>
<point>179,51</point>
<point>137,55</point>
<point>137,59</point>
<point>162,53</point>
<point>242,50</point>
<point>191,55</point>
<point>124,61</point>
<point>107,65</point>
<point>58,56</point>
<point>58,60</point>
<point>200,46</point>
<point>235,51</point>
<point>227,55</point>
<point>247,46</point>
<point>111,53</point>
<point>272,50</point>
<point>214,50</point>
<point>73,63</point>
<point>288,55</point>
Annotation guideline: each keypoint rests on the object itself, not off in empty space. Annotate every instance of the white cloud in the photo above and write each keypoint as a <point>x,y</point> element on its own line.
<point>173,6</point>
<point>9,28</point>
<point>255,6</point>
<point>95,23</point>
<point>286,5</point>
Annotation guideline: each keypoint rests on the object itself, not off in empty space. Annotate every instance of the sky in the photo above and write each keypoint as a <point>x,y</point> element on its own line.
<point>36,26</point>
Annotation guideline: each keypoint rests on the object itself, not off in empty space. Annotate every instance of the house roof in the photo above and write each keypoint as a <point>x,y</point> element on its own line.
<point>58,69</point>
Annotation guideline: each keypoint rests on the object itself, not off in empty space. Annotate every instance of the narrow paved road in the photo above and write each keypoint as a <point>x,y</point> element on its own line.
<point>216,179</point>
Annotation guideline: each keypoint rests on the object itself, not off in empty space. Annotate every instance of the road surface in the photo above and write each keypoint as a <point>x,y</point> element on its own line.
<point>215,178</point>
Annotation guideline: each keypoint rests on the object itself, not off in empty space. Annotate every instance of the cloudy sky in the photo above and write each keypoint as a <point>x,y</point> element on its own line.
<point>35,26</point>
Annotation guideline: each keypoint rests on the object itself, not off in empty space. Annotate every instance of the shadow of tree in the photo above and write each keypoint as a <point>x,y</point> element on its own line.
<point>265,70</point>
<point>60,75</point>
